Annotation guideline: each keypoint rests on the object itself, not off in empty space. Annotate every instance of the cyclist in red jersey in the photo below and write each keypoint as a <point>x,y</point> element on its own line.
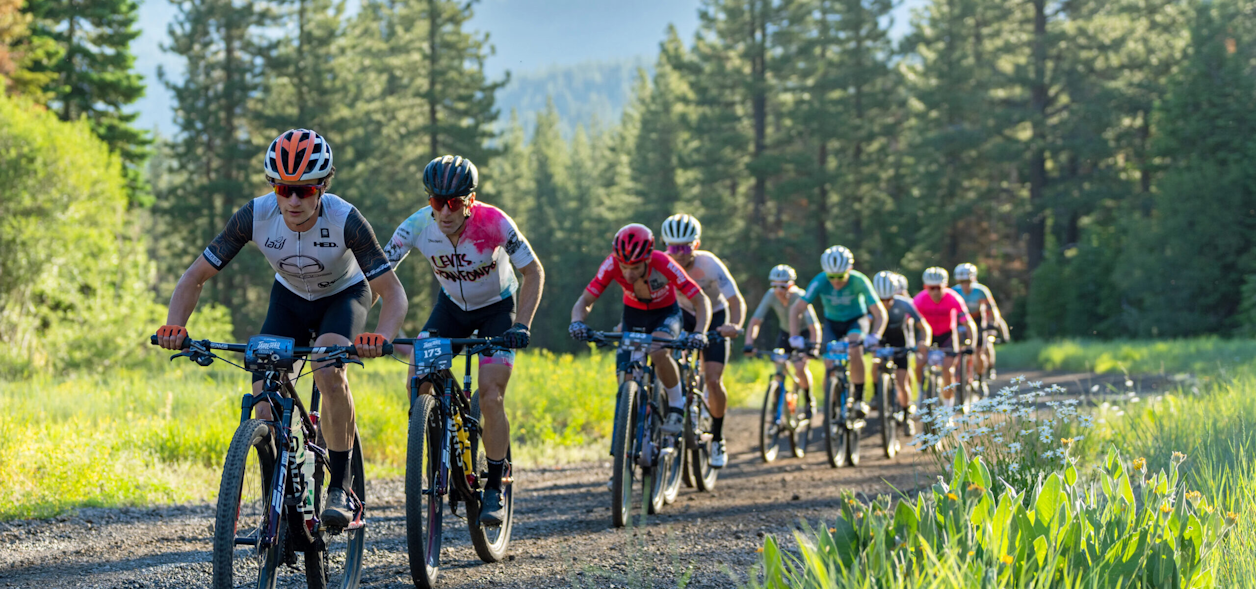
<point>651,282</point>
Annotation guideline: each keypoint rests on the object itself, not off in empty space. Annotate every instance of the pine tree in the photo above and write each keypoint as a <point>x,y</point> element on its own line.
<point>23,58</point>
<point>95,77</point>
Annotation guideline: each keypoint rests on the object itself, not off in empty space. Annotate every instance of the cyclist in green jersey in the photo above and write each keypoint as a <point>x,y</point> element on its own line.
<point>783,295</point>
<point>847,296</point>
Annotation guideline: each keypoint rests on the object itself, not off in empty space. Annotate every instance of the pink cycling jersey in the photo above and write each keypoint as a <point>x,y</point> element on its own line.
<point>943,315</point>
<point>662,281</point>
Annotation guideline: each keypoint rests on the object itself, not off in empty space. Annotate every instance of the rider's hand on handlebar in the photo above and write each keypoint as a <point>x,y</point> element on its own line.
<point>728,330</point>
<point>871,340</point>
<point>697,341</point>
<point>579,331</point>
<point>748,350</point>
<point>517,336</point>
<point>171,337</point>
<point>796,342</point>
<point>370,345</point>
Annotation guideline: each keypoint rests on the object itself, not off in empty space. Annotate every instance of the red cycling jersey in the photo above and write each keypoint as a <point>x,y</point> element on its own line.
<point>662,280</point>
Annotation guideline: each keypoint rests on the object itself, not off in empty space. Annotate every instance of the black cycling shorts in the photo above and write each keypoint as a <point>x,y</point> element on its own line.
<point>836,330</point>
<point>665,319</point>
<point>714,352</point>
<point>943,340</point>
<point>290,315</point>
<point>449,321</point>
<point>895,338</point>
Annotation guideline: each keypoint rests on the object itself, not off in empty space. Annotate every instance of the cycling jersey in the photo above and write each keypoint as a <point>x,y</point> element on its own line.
<point>850,302</point>
<point>974,297</point>
<point>714,280</point>
<point>658,290</point>
<point>897,312</point>
<point>475,272</point>
<point>770,301</point>
<point>336,253</point>
<point>944,315</point>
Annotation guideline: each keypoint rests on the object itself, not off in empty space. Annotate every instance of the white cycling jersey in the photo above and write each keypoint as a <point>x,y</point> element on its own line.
<point>475,272</point>
<point>714,280</point>
<point>336,253</point>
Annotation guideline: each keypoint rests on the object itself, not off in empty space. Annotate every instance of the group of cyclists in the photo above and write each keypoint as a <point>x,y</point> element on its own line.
<point>330,269</point>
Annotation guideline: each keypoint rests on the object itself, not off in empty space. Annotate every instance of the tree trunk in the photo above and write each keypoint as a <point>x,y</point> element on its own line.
<point>1038,159</point>
<point>433,29</point>
<point>759,99</point>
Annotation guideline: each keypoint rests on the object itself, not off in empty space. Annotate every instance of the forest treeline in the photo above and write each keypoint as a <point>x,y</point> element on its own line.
<point>1091,157</point>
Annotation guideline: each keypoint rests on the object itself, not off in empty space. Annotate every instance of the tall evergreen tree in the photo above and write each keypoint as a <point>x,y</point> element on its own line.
<point>95,77</point>
<point>23,58</point>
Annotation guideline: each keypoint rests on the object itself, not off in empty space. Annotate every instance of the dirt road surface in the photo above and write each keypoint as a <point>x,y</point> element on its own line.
<point>562,537</point>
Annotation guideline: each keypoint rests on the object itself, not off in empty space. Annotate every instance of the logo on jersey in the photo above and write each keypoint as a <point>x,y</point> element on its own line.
<point>275,244</point>
<point>301,266</point>
<point>445,261</point>
<point>325,244</point>
<point>514,243</point>
<point>324,233</point>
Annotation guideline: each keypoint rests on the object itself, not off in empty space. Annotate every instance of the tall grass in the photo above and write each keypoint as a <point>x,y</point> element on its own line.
<point>158,433</point>
<point>1206,355</point>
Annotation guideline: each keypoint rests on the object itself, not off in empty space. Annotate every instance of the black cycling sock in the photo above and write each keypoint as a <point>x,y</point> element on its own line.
<point>495,470</point>
<point>339,465</point>
<point>717,428</point>
<point>859,393</point>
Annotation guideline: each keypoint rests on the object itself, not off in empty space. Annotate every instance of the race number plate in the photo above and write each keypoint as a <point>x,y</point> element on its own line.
<point>269,352</point>
<point>935,357</point>
<point>433,354</point>
<point>836,351</point>
<point>636,343</point>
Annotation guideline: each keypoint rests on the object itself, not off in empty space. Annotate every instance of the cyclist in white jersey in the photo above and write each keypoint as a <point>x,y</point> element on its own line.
<point>683,236</point>
<point>471,247</point>
<point>783,294</point>
<point>328,266</point>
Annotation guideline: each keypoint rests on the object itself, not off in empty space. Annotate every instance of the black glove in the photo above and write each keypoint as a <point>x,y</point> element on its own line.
<point>697,341</point>
<point>518,336</point>
<point>579,331</point>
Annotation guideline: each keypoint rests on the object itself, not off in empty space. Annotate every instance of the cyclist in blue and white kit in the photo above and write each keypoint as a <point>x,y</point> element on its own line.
<point>904,327</point>
<point>982,308</point>
<point>471,247</point>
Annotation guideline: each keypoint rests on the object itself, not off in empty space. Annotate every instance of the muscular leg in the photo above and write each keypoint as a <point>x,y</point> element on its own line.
<point>664,366</point>
<point>339,421</point>
<point>804,375</point>
<point>493,379</point>
<point>948,377</point>
<point>903,387</point>
<point>718,395</point>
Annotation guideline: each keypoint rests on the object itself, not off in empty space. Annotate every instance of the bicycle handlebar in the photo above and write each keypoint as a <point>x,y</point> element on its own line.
<point>296,351</point>
<point>455,341</point>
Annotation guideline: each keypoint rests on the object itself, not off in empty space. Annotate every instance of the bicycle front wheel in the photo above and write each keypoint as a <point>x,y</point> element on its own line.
<point>834,423</point>
<point>800,424</point>
<point>243,512</point>
<point>423,505</point>
<point>623,449</point>
<point>769,422</point>
<point>886,409</point>
<point>700,452</point>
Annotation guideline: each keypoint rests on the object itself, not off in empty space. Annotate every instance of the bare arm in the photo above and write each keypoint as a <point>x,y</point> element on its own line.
<point>795,315</point>
<point>736,313</point>
<point>395,305</point>
<point>583,306</point>
<point>701,311</point>
<point>878,319</point>
<point>530,291</point>
<point>752,330</point>
<point>186,294</point>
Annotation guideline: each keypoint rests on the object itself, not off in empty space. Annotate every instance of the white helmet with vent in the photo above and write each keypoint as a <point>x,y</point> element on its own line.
<point>965,271</point>
<point>934,276</point>
<point>901,282</point>
<point>885,284</point>
<point>783,273</point>
<point>681,229</point>
<point>836,260</point>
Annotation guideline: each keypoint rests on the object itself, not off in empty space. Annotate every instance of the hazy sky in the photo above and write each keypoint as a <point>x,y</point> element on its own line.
<point>528,34</point>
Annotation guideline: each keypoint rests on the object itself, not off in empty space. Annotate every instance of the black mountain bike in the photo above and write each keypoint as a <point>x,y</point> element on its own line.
<point>967,389</point>
<point>891,412</point>
<point>785,413</point>
<point>698,471</point>
<point>444,458</point>
<point>841,428</point>
<point>272,481</point>
<point>641,451</point>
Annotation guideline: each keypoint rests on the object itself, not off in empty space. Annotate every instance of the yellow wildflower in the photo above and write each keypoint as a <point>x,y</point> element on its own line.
<point>759,549</point>
<point>1178,457</point>
<point>1140,463</point>
<point>1066,441</point>
<point>1007,559</point>
<point>1231,518</point>
<point>970,553</point>
<point>832,530</point>
<point>1194,496</point>
<point>952,496</point>
<point>1164,508</point>
<point>1207,508</point>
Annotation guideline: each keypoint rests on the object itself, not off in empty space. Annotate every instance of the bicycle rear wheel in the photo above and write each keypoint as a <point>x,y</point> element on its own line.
<point>490,543</point>
<point>654,492</point>
<point>336,558</point>
<point>769,422</point>
<point>800,424</point>
<point>834,425</point>
<point>699,461</point>
<point>623,448</point>
<point>886,407</point>
<point>673,465</point>
<point>423,505</point>
<point>243,511</point>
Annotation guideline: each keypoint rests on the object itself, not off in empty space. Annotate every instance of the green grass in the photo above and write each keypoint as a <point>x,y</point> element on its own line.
<point>157,434</point>
<point>1208,355</point>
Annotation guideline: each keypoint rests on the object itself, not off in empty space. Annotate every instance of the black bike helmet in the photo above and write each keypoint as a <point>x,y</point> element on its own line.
<point>450,176</point>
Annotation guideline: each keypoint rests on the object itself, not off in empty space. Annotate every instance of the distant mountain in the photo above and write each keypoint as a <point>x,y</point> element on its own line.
<point>582,93</point>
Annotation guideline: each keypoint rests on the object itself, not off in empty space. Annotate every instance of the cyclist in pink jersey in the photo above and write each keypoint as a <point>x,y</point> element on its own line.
<point>651,281</point>
<point>944,311</point>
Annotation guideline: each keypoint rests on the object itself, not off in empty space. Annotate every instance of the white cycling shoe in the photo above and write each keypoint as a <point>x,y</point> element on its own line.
<point>719,455</point>
<point>675,422</point>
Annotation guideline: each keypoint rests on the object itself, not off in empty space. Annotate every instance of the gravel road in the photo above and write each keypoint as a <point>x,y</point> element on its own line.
<point>562,537</point>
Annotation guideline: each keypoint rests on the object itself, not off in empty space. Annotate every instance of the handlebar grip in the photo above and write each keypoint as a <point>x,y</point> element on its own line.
<point>187,341</point>
<point>388,349</point>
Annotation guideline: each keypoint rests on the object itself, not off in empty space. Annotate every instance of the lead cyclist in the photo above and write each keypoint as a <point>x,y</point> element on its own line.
<point>328,267</point>
<point>470,247</point>
<point>682,234</point>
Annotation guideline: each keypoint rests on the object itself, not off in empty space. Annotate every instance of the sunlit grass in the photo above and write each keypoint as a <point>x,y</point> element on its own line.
<point>158,434</point>
<point>1207,355</point>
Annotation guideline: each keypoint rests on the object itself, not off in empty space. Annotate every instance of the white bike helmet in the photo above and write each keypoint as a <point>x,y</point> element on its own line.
<point>900,281</point>
<point>782,273</point>
<point>965,271</point>
<point>836,260</point>
<point>681,229</point>
<point>934,276</point>
<point>885,284</point>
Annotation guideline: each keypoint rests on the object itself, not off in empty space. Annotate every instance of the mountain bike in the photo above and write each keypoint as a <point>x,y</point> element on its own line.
<point>841,428</point>
<point>891,413</point>
<point>697,469</point>
<point>966,389</point>
<point>272,481</point>
<point>784,414</point>
<point>637,441</point>
<point>444,458</point>
<point>993,335</point>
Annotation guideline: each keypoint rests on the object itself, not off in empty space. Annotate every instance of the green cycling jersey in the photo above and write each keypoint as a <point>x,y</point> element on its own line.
<point>849,302</point>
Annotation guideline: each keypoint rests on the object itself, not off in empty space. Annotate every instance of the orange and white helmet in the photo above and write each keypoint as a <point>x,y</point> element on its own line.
<point>298,154</point>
